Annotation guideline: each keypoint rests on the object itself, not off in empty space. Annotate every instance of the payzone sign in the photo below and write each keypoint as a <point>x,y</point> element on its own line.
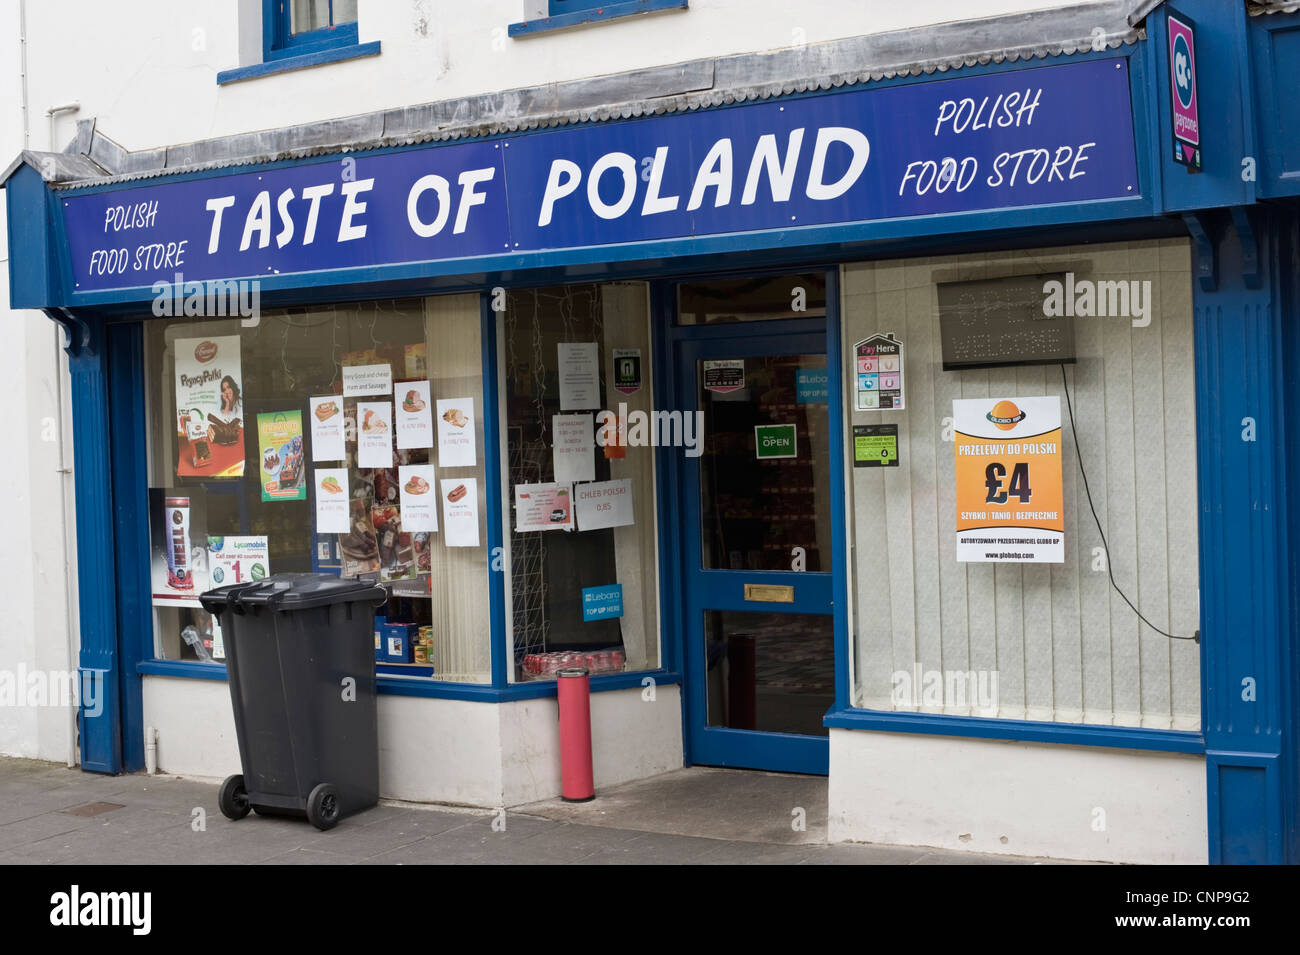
<point>1010,505</point>
<point>1182,85</point>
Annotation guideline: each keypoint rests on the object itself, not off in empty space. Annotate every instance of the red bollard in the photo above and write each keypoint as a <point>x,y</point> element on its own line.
<point>573,692</point>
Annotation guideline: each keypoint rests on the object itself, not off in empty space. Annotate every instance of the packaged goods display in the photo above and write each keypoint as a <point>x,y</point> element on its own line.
<point>177,523</point>
<point>544,666</point>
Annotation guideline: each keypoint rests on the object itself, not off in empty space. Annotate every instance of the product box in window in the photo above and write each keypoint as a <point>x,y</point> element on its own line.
<point>381,621</point>
<point>399,640</point>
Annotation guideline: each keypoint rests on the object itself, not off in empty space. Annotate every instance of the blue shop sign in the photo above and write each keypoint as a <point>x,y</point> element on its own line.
<point>602,603</point>
<point>1054,134</point>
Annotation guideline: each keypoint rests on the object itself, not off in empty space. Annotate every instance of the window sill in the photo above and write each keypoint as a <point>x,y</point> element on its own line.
<point>303,62</point>
<point>616,10</point>
<point>1078,734</point>
<point>422,686</point>
<point>183,668</point>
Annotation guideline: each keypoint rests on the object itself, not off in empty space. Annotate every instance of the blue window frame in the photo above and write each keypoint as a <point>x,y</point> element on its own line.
<point>558,7</point>
<point>328,28</point>
<point>572,13</point>
<point>300,33</point>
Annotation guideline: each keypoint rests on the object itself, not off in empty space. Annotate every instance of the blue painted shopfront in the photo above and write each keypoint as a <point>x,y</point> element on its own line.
<point>646,199</point>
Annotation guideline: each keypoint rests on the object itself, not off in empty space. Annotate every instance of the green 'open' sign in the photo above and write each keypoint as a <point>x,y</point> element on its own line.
<point>775,441</point>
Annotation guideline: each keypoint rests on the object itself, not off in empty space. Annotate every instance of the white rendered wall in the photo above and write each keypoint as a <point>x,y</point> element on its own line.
<point>1031,799</point>
<point>441,751</point>
<point>33,595</point>
<point>150,77</point>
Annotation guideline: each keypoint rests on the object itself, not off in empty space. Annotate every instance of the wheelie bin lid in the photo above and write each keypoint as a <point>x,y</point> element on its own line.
<point>304,591</point>
<point>219,598</point>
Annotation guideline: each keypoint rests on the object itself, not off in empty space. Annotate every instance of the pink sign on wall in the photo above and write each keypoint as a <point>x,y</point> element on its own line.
<point>1182,85</point>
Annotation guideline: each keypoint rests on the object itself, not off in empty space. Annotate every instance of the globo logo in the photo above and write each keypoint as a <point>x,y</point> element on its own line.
<point>1005,415</point>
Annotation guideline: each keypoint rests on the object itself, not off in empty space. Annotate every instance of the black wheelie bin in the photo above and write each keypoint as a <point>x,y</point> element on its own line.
<point>301,663</point>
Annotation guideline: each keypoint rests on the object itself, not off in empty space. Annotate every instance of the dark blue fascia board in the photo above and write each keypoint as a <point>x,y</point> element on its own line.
<point>610,11</point>
<point>1223,89</point>
<point>737,262</point>
<point>33,273</point>
<point>298,61</point>
<point>599,261</point>
<point>1136,74</point>
<point>1275,112</point>
<point>1144,203</point>
<point>934,724</point>
<point>434,689</point>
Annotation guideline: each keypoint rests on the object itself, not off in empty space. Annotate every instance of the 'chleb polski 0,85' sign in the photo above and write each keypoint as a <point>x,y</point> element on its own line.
<point>1040,136</point>
<point>1010,506</point>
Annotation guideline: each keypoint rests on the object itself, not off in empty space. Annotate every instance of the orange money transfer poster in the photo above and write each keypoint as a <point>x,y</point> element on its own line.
<point>1010,505</point>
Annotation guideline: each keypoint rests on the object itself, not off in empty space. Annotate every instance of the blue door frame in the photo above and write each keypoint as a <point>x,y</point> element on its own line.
<point>694,591</point>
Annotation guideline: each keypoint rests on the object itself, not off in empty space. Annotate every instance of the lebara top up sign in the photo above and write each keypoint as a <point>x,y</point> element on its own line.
<point>1047,135</point>
<point>1182,85</point>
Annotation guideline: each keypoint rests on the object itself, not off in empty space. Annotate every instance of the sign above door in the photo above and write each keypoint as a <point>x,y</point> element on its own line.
<point>1040,136</point>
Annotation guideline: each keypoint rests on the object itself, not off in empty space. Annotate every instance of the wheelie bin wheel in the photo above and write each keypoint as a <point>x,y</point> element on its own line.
<point>323,807</point>
<point>233,798</point>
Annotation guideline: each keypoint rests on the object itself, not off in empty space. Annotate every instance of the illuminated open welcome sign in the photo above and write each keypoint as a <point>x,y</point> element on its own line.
<point>1057,134</point>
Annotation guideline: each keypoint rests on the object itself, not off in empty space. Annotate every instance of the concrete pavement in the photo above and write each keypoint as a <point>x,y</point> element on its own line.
<point>53,815</point>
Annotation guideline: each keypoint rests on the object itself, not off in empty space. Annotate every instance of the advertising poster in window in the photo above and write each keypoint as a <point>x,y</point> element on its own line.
<point>358,548</point>
<point>460,512</point>
<point>360,381</point>
<point>327,433</point>
<point>419,504</point>
<point>396,550</point>
<point>456,433</point>
<point>279,439</point>
<point>331,500</point>
<point>1010,506</point>
<point>237,560</point>
<point>604,504</point>
<point>178,547</point>
<point>414,415</point>
<point>375,434</point>
<point>209,408</point>
<point>579,375</point>
<point>543,507</point>
<point>574,452</point>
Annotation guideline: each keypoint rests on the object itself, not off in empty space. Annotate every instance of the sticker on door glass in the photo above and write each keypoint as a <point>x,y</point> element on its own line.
<point>775,441</point>
<point>724,375</point>
<point>627,370</point>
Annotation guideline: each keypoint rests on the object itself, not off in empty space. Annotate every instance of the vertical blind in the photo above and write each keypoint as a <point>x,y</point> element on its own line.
<point>1049,642</point>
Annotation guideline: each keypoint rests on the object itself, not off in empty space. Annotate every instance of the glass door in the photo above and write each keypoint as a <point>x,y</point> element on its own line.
<point>758,554</point>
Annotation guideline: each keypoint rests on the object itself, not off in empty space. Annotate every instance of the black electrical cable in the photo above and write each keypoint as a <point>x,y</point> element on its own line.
<point>1065,384</point>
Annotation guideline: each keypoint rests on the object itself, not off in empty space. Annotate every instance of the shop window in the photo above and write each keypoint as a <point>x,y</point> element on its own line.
<point>345,439</point>
<point>579,493</point>
<point>1101,334</point>
<point>297,27</point>
<point>297,34</point>
<point>543,16</point>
